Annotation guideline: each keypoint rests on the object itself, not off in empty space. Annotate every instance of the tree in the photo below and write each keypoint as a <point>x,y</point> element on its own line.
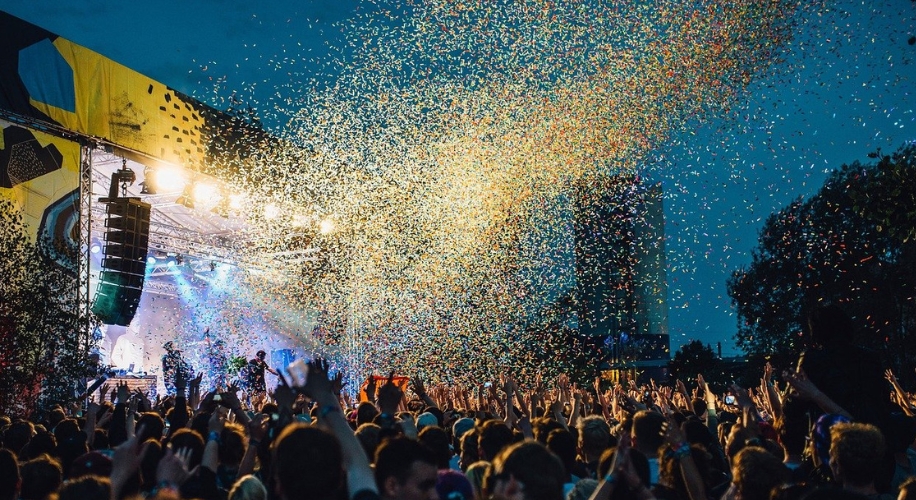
<point>691,359</point>
<point>851,244</point>
<point>42,353</point>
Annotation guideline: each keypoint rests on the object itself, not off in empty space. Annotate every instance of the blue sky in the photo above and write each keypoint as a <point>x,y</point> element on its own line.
<point>846,88</point>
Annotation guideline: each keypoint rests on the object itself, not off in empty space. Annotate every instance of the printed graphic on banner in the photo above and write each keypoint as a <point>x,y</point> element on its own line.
<point>39,173</point>
<point>61,82</point>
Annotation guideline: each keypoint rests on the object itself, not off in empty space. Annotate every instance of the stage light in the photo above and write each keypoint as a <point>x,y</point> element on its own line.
<point>237,201</point>
<point>170,263</point>
<point>148,186</point>
<point>95,248</point>
<point>205,194</point>
<point>326,226</point>
<point>271,211</point>
<point>151,260</point>
<point>168,180</point>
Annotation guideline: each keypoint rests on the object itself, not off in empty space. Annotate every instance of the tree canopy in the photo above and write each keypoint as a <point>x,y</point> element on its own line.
<point>852,244</point>
<point>43,354</point>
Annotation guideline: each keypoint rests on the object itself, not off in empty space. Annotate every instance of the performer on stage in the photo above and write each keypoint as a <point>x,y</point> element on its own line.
<point>257,385</point>
<point>219,363</point>
<point>174,363</point>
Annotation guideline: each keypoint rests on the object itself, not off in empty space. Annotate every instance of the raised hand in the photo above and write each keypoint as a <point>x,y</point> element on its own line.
<point>231,400</point>
<point>681,388</point>
<point>217,420</point>
<point>126,462</point>
<point>103,391</point>
<point>509,385</point>
<point>389,396</point>
<point>180,382</point>
<point>173,467</point>
<point>416,385</point>
<point>708,395</point>
<point>803,386</point>
<point>742,396</point>
<point>123,393</point>
<point>673,434</point>
<point>337,383</point>
<point>258,427</point>
<point>889,375</point>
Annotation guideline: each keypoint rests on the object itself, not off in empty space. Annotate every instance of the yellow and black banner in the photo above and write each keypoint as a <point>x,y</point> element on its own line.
<point>39,174</point>
<point>49,78</point>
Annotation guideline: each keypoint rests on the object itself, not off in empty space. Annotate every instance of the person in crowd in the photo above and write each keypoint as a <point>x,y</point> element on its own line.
<point>507,442</point>
<point>406,470</point>
<point>856,453</point>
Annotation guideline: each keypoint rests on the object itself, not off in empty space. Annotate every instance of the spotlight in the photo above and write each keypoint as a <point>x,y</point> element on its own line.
<point>148,186</point>
<point>271,211</point>
<point>205,194</point>
<point>326,226</point>
<point>151,260</point>
<point>95,248</point>
<point>168,180</point>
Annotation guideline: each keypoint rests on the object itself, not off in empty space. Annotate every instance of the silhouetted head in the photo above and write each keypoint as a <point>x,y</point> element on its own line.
<point>830,325</point>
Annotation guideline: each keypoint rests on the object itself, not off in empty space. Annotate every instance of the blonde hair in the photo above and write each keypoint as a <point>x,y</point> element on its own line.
<point>248,488</point>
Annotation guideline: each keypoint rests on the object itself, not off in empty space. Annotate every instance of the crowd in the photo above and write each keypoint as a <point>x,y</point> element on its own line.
<point>824,430</point>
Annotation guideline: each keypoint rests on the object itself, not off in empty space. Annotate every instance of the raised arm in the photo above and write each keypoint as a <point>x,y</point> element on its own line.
<point>901,395</point>
<point>680,448</point>
<point>806,389</point>
<point>416,383</point>
<point>359,473</point>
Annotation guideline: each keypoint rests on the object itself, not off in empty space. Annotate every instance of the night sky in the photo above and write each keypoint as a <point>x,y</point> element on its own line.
<point>845,88</point>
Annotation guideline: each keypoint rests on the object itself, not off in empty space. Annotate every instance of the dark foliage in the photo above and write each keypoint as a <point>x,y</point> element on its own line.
<point>44,343</point>
<point>853,245</point>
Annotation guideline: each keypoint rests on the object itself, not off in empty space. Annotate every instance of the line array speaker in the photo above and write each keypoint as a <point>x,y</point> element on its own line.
<point>124,261</point>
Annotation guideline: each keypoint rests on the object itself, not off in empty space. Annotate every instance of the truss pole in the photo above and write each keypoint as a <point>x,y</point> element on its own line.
<point>83,255</point>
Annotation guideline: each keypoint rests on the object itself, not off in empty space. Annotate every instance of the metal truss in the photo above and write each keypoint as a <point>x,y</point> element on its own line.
<point>83,261</point>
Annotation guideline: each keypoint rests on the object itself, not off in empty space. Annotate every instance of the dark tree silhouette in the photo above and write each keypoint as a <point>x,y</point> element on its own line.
<point>691,359</point>
<point>851,244</point>
<point>43,355</point>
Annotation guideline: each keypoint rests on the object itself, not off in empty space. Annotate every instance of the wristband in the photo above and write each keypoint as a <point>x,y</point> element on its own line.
<point>213,436</point>
<point>323,412</point>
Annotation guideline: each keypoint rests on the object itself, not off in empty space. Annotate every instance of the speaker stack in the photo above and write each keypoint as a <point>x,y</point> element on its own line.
<point>124,261</point>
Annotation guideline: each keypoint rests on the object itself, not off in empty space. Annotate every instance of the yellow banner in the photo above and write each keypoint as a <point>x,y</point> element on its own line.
<point>39,173</point>
<point>127,108</point>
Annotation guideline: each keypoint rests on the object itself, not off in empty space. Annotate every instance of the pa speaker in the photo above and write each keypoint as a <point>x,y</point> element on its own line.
<point>124,264</point>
